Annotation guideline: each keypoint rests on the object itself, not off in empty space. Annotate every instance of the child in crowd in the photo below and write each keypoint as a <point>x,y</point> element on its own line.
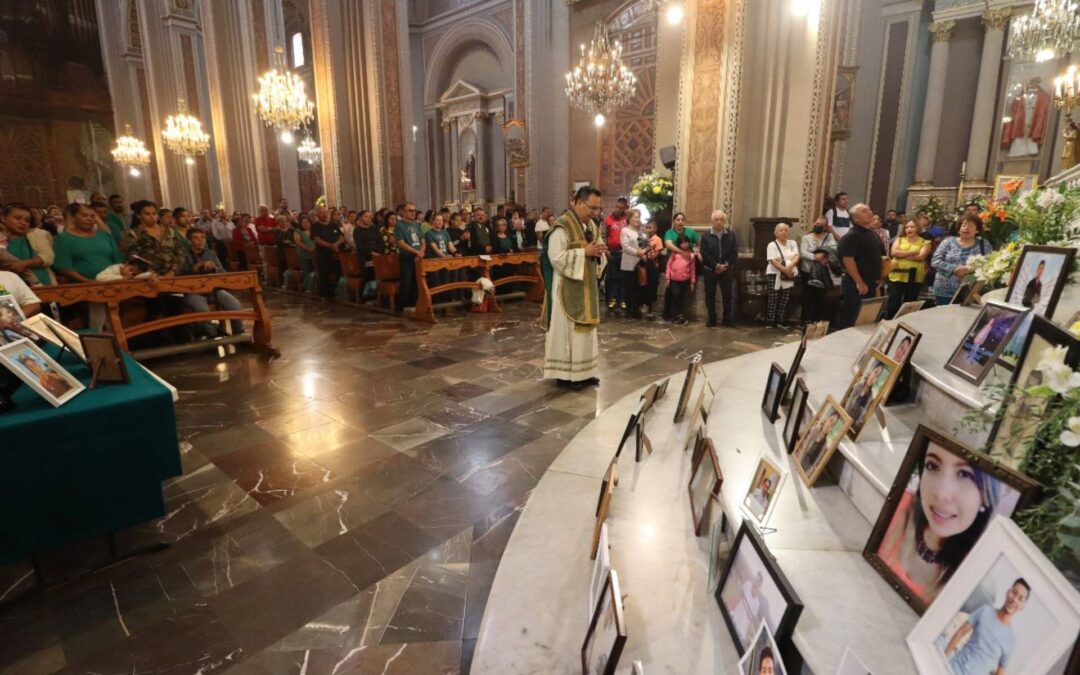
<point>682,278</point>
<point>651,261</point>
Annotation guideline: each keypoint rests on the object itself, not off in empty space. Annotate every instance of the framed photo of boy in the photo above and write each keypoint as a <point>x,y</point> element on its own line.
<point>909,308</point>
<point>795,413</point>
<point>902,343</point>
<point>1007,609</point>
<point>869,389</point>
<point>606,636</point>
<point>770,401</point>
<point>870,310</point>
<point>11,321</point>
<point>39,372</point>
<point>944,496</point>
<point>763,656</point>
<point>765,484</point>
<point>985,339</point>
<point>1036,284</point>
<point>753,589</point>
<point>820,441</point>
<point>704,486</point>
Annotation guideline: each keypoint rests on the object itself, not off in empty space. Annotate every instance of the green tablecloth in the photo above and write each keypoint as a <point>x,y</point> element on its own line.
<point>90,467</point>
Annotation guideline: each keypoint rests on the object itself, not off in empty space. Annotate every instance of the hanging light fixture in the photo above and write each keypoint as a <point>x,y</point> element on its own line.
<point>282,102</point>
<point>184,134</point>
<point>130,152</point>
<point>1051,30</point>
<point>309,152</point>
<point>600,82</point>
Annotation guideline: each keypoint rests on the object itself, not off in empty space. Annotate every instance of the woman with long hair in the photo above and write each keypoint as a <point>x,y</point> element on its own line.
<point>305,248</point>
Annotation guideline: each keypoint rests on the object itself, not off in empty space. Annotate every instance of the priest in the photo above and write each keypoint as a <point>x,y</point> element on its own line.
<point>573,259</point>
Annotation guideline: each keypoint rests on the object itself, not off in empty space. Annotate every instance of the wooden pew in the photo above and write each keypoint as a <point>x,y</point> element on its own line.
<point>112,293</point>
<point>527,259</point>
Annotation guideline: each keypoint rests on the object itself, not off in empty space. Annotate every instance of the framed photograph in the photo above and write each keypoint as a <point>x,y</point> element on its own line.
<point>719,547</point>
<point>1019,416</point>
<point>870,310</point>
<point>631,425</point>
<point>879,340</point>
<point>944,496</point>
<point>39,372</point>
<point>770,402</point>
<point>763,657</point>
<point>11,321</point>
<point>55,333</point>
<point>601,567</point>
<point>1036,284</point>
<point>753,589</point>
<point>764,486</point>
<point>818,444</point>
<point>1007,609</point>
<point>607,488</point>
<point>687,388</point>
<point>850,664</point>
<point>704,486</point>
<point>699,446</point>
<point>869,389</point>
<point>793,371</point>
<point>902,343</point>
<point>661,389</point>
<point>1028,182</point>
<point>104,357</point>
<point>648,397</point>
<point>985,340</point>
<point>962,294</point>
<point>909,308</point>
<point>606,636</point>
<point>793,420</point>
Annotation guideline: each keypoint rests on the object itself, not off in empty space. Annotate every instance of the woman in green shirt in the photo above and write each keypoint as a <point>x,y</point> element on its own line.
<point>33,247</point>
<point>437,244</point>
<point>305,246</point>
<point>82,250</point>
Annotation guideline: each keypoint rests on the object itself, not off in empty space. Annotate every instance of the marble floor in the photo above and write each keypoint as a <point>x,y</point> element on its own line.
<point>343,509</point>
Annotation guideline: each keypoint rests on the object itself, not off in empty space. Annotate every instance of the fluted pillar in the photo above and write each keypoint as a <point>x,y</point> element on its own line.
<point>982,125</point>
<point>935,101</point>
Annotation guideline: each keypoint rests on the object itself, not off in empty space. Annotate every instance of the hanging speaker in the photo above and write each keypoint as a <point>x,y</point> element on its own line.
<point>667,156</point>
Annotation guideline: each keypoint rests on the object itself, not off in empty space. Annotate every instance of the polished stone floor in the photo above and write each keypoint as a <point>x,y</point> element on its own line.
<point>343,509</point>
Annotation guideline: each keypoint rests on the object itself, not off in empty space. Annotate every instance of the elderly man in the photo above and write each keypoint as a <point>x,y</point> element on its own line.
<point>573,260</point>
<point>860,252</point>
<point>719,254</point>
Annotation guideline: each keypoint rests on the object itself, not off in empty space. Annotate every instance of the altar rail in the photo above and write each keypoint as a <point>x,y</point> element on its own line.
<point>525,259</point>
<point>112,293</point>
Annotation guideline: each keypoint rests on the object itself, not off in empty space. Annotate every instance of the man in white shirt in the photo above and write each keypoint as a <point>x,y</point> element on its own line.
<point>838,217</point>
<point>11,284</point>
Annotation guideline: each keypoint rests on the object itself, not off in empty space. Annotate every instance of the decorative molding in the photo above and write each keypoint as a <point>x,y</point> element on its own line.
<point>733,98</point>
<point>942,31</point>
<point>997,19</point>
<point>820,114</point>
<point>708,43</point>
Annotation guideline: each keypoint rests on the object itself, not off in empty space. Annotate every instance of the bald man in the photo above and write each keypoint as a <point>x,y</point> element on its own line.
<point>860,252</point>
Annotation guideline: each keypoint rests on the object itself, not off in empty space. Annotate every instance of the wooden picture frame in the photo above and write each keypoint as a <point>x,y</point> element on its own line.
<point>770,401</point>
<point>749,562</point>
<point>795,413</point>
<point>995,324</point>
<point>1030,182</point>
<point>601,567</point>
<point>704,485</point>
<point>909,308</point>
<point>661,389</point>
<point>895,348</point>
<point>761,494</point>
<point>899,524</point>
<point>870,310</point>
<point>699,446</point>
<point>648,397</point>
<point>869,389</point>
<point>104,357</point>
<point>607,489</point>
<point>49,380</point>
<point>631,425</point>
<point>1040,303</point>
<point>55,333</point>
<point>816,447</point>
<point>606,636</point>
<point>687,388</point>
<point>793,371</point>
<point>878,340</point>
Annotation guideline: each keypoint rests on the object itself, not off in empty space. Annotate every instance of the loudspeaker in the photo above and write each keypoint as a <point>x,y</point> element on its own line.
<point>667,156</point>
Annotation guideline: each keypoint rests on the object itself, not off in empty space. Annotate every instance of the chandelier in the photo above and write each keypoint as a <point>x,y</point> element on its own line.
<point>309,151</point>
<point>282,102</point>
<point>184,134</point>
<point>600,82</point>
<point>1052,29</point>
<point>130,151</point>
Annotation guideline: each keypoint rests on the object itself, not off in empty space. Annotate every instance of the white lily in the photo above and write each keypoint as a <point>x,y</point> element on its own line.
<point>1071,436</point>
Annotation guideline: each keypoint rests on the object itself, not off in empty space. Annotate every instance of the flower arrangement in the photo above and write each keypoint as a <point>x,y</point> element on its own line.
<point>320,200</point>
<point>935,210</point>
<point>655,192</point>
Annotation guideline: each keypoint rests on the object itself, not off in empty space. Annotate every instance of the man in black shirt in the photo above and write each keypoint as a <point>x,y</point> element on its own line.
<point>719,253</point>
<point>328,240</point>
<point>860,252</point>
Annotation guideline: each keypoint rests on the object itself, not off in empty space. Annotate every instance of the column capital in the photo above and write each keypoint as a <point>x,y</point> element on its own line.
<point>942,30</point>
<point>996,19</point>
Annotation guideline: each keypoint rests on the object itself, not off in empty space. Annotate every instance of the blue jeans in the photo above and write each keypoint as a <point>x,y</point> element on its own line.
<point>224,299</point>
<point>852,301</point>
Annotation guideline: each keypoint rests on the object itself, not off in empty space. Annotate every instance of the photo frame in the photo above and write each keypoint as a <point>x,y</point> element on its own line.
<point>909,308</point>
<point>105,358</point>
<point>606,636</point>
<point>1037,281</point>
<point>770,401</point>
<point>763,655</point>
<point>719,540</point>
<point>699,446</point>
<point>1019,415</point>
<point>987,489</point>
<point>761,494</point>
<point>984,340</point>
<point>902,343</point>
<point>816,447</point>
<point>607,489</point>
<point>793,371</point>
<point>1004,573</point>
<point>1028,182</point>
<point>753,589</point>
<point>631,425</point>
<point>648,397</point>
<point>40,372</point>
<point>967,294</point>
<point>878,340</point>
<point>869,389</point>
<point>12,328</point>
<point>601,567</point>
<point>704,485</point>
<point>687,388</point>
<point>870,310</point>
<point>55,333</point>
<point>796,411</point>
<point>661,389</point>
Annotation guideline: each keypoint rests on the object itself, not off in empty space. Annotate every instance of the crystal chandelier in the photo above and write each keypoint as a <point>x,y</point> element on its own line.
<point>184,134</point>
<point>600,82</point>
<point>130,151</point>
<point>282,102</point>
<point>1052,29</point>
<point>309,152</point>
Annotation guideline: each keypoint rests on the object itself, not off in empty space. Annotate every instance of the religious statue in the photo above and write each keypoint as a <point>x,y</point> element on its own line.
<point>1025,126</point>
<point>468,174</point>
<point>1070,156</point>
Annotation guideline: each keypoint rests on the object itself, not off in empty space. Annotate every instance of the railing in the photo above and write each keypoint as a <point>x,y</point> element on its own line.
<point>530,260</point>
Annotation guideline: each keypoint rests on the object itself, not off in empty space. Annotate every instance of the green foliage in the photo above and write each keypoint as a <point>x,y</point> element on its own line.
<point>655,192</point>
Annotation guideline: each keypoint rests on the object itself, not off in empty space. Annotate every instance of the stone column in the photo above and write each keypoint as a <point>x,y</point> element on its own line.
<point>982,126</point>
<point>483,186</point>
<point>455,160</point>
<point>935,101</point>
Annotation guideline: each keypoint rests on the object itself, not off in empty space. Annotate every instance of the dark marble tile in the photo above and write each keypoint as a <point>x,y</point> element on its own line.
<point>455,416</point>
<point>231,439</point>
<point>468,648</point>
<point>373,551</point>
<point>481,577</point>
<point>463,391</point>
<point>474,445</point>
<point>433,607</point>
<point>432,363</point>
<point>545,418</point>
<point>429,658</point>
